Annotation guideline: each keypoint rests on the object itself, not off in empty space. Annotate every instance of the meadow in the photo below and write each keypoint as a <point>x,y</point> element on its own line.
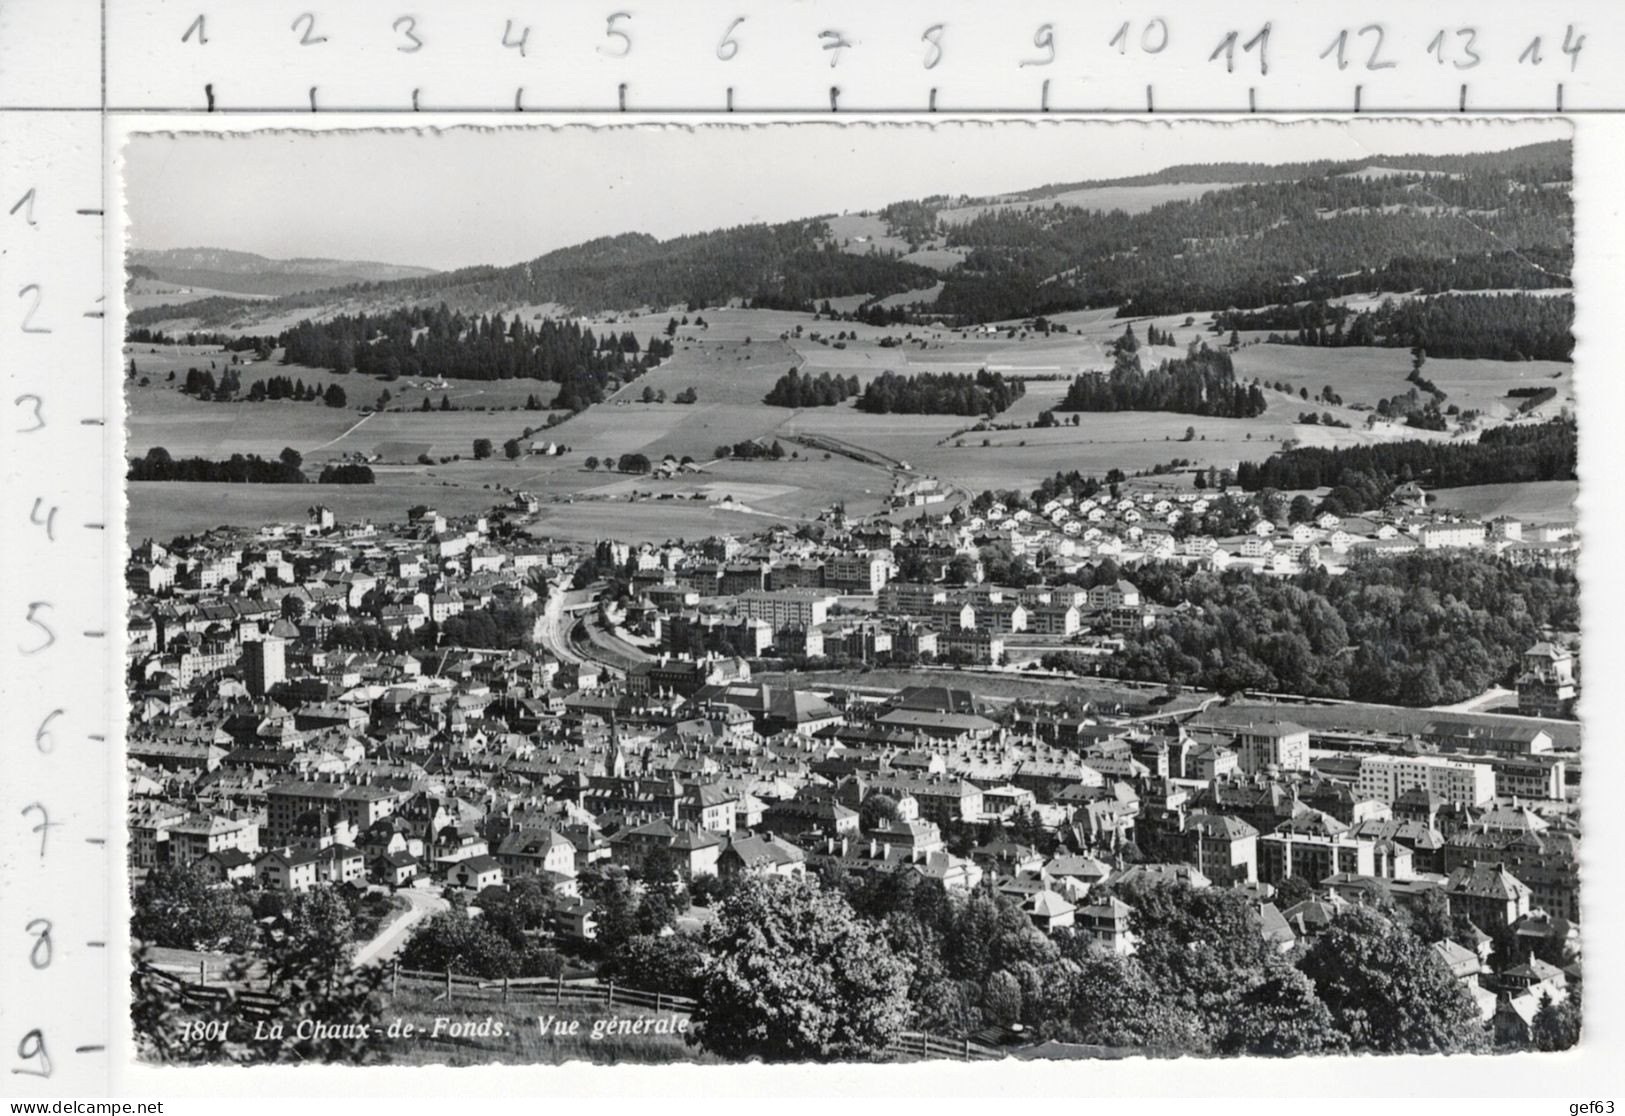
<point>1535,502</point>
<point>731,363</point>
<point>1367,375</point>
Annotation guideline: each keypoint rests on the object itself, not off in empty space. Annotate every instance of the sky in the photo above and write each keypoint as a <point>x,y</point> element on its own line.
<point>480,195</point>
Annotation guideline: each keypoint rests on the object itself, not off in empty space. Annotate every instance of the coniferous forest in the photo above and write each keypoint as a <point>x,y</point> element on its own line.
<point>1267,235</point>
<point>1516,326</point>
<point>1203,382</point>
<point>823,390</point>
<point>1502,455</point>
<point>940,393</point>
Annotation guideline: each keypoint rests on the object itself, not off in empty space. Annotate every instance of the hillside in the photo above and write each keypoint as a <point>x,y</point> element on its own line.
<point>220,270</point>
<point>1200,236</point>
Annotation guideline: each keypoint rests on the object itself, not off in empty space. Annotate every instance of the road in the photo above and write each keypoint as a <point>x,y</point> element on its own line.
<point>553,627</point>
<point>420,904</point>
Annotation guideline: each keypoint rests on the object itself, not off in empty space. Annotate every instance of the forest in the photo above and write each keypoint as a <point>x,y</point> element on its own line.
<point>1268,242</point>
<point>1515,326</point>
<point>1363,476</point>
<point>158,465</point>
<point>1269,235</point>
<point>795,390</point>
<point>1203,382</point>
<point>940,393</point>
<point>1426,628</point>
<point>435,342</point>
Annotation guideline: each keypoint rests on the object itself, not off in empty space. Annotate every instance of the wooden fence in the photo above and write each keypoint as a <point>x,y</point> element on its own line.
<point>245,1001</point>
<point>251,1004</point>
<point>556,990</point>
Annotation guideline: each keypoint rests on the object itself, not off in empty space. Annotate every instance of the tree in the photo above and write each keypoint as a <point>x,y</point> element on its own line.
<point>669,963</point>
<point>334,396</point>
<point>878,809</point>
<point>177,907</point>
<point>291,457</point>
<point>591,463</point>
<point>451,941</point>
<point>795,975</point>
<point>1281,1015</point>
<point>1557,1025</point>
<point>482,448</point>
<point>1388,991</point>
<point>512,449</point>
<point>1114,1003</point>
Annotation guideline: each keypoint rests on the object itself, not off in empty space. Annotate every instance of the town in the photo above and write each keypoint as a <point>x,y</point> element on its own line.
<point>437,715</point>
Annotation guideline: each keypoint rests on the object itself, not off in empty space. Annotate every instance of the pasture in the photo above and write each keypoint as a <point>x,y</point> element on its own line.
<point>1367,375</point>
<point>1535,502</point>
<point>731,378</point>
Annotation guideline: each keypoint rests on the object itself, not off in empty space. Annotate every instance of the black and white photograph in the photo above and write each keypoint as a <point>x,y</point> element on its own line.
<point>809,592</point>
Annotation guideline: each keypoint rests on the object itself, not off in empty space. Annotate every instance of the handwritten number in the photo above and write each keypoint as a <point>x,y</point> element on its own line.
<point>40,955</point>
<point>36,404</point>
<point>933,37</point>
<point>408,26</point>
<point>27,200</point>
<point>1156,31</point>
<point>197,26</point>
<point>1571,46</point>
<point>44,738</point>
<point>1471,35</point>
<point>28,318</point>
<point>44,827</point>
<point>1371,63</point>
<point>49,522</point>
<point>520,43</point>
<point>308,36</point>
<point>613,32</point>
<point>834,42</point>
<point>1227,47</point>
<point>1531,53</point>
<point>32,1047</point>
<point>1473,58</point>
<point>1043,39</point>
<point>33,618</point>
<point>729,46</point>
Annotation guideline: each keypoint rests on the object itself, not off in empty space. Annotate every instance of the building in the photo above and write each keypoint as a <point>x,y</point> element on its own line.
<point>1488,894</point>
<point>1279,744</point>
<point>862,572</point>
<point>358,806</point>
<point>1438,536</point>
<point>1546,688</point>
<point>802,608</point>
<point>265,664</point>
<point>1385,778</point>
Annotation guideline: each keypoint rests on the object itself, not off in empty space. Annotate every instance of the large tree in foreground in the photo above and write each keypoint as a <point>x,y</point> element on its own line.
<point>1388,991</point>
<point>795,975</point>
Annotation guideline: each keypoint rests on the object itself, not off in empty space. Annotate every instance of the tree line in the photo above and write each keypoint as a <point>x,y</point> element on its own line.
<point>1516,326</point>
<point>1269,242</point>
<point>1501,455</point>
<point>158,465</point>
<point>1419,629</point>
<point>795,390</point>
<point>1203,382</point>
<point>940,393</point>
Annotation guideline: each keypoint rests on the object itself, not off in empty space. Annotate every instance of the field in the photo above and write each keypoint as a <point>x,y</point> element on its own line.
<point>1538,502</point>
<point>731,362</point>
<point>1362,375</point>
